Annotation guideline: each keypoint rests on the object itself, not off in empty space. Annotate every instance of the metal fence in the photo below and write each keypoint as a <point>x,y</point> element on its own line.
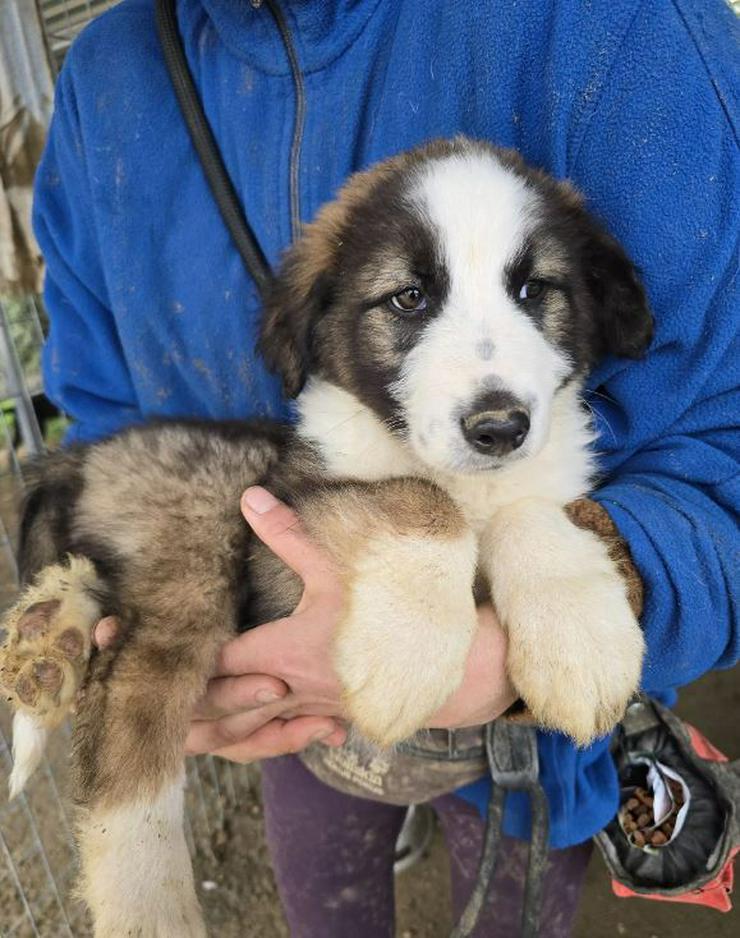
<point>63,20</point>
<point>37,856</point>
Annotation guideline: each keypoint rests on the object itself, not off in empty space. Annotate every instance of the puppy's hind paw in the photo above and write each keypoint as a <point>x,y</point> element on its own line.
<point>47,642</point>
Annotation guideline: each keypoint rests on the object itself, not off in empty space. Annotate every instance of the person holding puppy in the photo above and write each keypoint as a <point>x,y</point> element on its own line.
<point>153,315</point>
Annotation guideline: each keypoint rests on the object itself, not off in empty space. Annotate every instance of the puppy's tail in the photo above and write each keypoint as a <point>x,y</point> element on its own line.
<point>29,743</point>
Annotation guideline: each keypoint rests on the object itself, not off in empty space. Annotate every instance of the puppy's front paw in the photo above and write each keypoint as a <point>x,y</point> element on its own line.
<point>575,647</point>
<point>402,648</point>
<point>578,670</point>
<point>48,640</point>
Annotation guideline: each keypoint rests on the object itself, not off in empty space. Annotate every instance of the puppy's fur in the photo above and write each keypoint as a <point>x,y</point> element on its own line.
<point>435,324</point>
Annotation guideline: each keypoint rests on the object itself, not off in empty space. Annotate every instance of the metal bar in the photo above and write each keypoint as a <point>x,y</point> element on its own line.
<point>199,790</point>
<point>15,466</point>
<point>7,547</point>
<point>35,318</point>
<point>17,882</point>
<point>231,787</point>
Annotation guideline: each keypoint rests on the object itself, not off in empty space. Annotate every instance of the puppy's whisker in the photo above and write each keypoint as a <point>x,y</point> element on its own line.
<point>345,421</point>
<point>598,416</point>
<point>593,393</point>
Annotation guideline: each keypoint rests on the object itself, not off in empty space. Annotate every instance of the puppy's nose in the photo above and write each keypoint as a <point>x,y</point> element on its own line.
<point>496,432</point>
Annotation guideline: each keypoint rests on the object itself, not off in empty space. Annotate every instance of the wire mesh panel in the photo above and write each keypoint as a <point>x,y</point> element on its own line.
<point>21,335</point>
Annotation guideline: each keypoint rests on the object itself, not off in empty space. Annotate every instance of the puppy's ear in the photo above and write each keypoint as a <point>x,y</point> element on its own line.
<point>624,323</point>
<point>296,301</point>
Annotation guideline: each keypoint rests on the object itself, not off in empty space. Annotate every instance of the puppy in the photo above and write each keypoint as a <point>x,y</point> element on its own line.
<point>435,323</point>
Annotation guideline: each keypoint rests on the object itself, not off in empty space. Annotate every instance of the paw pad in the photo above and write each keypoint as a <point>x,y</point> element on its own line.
<point>48,675</point>
<point>36,620</point>
<point>71,643</point>
<point>27,690</point>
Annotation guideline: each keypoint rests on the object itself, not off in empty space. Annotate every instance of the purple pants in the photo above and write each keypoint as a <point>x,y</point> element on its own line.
<point>333,860</point>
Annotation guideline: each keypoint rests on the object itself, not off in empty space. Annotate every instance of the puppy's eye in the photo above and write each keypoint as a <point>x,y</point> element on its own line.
<point>410,300</point>
<point>532,289</point>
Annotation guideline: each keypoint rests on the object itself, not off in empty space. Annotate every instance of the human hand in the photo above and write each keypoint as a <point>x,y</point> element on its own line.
<point>275,690</point>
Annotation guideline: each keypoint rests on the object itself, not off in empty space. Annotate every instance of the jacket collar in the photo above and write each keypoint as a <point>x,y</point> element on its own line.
<point>321,30</point>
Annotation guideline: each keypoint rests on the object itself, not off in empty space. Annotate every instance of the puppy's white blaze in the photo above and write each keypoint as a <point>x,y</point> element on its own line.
<point>29,743</point>
<point>483,209</point>
<point>136,871</point>
<point>482,214</point>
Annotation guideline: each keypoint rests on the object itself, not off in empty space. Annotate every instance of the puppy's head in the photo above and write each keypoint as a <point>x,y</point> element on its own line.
<point>454,291</point>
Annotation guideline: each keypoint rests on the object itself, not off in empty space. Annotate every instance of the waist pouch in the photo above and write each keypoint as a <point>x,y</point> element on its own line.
<point>435,763</point>
<point>690,826</point>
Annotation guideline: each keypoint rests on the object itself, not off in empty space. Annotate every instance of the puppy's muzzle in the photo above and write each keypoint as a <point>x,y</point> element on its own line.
<point>499,425</point>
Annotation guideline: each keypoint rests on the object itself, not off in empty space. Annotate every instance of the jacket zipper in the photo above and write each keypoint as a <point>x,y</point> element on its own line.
<point>300,115</point>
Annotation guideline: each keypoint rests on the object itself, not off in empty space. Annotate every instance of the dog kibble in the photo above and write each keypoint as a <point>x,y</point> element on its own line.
<point>638,819</point>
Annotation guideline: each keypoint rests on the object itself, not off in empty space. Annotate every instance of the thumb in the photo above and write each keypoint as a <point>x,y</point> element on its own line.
<point>279,527</point>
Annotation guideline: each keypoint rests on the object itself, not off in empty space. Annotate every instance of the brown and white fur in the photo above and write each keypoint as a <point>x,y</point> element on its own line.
<point>436,323</point>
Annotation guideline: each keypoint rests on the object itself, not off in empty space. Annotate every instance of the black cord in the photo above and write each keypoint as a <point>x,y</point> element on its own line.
<point>538,849</point>
<point>511,752</point>
<point>472,911</point>
<point>207,149</point>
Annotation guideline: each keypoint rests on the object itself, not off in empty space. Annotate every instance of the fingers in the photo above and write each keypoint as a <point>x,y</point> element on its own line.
<point>249,653</point>
<point>279,738</point>
<point>275,648</point>
<point>227,695</point>
<point>210,735</point>
<point>260,734</point>
<point>278,526</point>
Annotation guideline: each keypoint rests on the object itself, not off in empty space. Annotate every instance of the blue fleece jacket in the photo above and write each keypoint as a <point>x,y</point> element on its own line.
<point>152,313</point>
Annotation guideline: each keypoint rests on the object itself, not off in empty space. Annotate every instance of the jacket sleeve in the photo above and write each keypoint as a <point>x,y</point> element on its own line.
<point>658,159</point>
<point>85,370</point>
